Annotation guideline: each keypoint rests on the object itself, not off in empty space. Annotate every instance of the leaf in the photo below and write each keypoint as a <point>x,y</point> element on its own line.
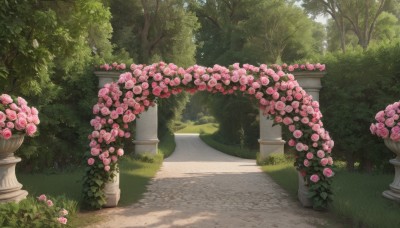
<point>324,195</point>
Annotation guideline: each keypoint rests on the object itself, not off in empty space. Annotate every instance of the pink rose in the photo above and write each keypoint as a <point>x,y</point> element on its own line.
<point>11,114</point>
<point>306,163</point>
<point>90,161</point>
<point>327,172</point>
<point>324,161</point>
<point>297,134</point>
<point>299,147</point>
<point>6,133</point>
<point>314,137</point>
<point>320,153</point>
<point>42,197</point>
<point>314,178</point>
<point>291,142</point>
<point>49,203</point>
<point>62,220</point>
<point>137,90</point>
<point>30,129</point>
<point>279,105</point>
<point>107,168</point>
<point>310,155</point>
<point>120,152</point>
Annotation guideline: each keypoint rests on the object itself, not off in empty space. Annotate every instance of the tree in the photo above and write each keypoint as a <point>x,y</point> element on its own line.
<point>157,30</point>
<point>361,16</point>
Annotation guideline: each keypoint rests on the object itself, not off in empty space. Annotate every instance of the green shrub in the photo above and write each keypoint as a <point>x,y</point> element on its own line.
<point>274,159</point>
<point>33,212</point>
<point>205,119</point>
<point>357,85</point>
<point>178,125</point>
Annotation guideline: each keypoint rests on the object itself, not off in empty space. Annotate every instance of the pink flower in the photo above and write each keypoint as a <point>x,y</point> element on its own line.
<point>327,172</point>
<point>5,99</point>
<point>137,90</point>
<point>120,152</point>
<point>310,155</point>
<point>62,220</point>
<point>30,129</point>
<point>49,203</point>
<point>279,105</point>
<point>306,163</point>
<point>107,168</point>
<point>320,154</point>
<point>299,147</point>
<point>314,137</point>
<point>11,115</point>
<point>297,134</point>
<point>6,133</point>
<point>314,178</point>
<point>324,161</point>
<point>90,161</point>
<point>42,197</point>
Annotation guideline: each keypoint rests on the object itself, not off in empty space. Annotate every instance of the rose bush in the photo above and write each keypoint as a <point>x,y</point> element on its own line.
<point>279,95</point>
<point>388,124</point>
<point>16,117</point>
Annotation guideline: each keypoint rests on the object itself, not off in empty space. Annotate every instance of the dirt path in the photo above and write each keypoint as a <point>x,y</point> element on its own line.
<point>200,187</point>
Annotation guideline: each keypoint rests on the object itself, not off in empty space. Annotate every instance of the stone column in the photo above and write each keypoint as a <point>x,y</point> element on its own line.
<point>310,81</point>
<point>146,140</point>
<point>106,77</point>
<point>111,189</point>
<point>270,138</point>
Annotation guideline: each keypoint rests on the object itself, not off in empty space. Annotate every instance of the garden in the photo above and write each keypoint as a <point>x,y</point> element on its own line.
<point>65,134</point>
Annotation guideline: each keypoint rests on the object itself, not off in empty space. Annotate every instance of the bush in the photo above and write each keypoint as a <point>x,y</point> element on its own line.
<point>205,119</point>
<point>178,125</point>
<point>275,159</point>
<point>359,84</point>
<point>41,212</point>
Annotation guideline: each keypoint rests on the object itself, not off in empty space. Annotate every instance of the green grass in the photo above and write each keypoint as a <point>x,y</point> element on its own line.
<point>208,128</point>
<point>233,150</point>
<point>357,196</point>
<point>134,177</point>
<point>167,144</point>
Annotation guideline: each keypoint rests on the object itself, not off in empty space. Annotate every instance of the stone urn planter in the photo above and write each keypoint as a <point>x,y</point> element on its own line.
<point>112,192</point>
<point>302,193</point>
<point>10,188</point>
<point>394,192</point>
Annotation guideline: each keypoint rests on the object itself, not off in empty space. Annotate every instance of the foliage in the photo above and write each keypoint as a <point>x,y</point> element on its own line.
<point>47,56</point>
<point>357,85</point>
<point>208,128</point>
<point>41,212</point>
<point>205,119</point>
<point>274,159</point>
<point>366,20</point>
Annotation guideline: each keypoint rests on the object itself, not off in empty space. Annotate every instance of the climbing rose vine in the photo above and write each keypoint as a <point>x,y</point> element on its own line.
<point>279,95</point>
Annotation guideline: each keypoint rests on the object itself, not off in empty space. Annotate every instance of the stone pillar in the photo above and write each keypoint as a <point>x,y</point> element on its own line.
<point>111,189</point>
<point>270,138</point>
<point>106,77</point>
<point>310,81</point>
<point>146,140</point>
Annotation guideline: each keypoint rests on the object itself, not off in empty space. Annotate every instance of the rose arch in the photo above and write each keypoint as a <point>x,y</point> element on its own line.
<point>278,93</point>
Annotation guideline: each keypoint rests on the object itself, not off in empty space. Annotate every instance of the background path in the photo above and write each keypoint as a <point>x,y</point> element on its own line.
<point>200,187</point>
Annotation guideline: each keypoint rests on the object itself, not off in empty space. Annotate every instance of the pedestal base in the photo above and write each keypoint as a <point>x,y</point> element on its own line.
<point>15,196</point>
<point>302,193</point>
<point>268,147</point>
<point>394,192</point>
<point>146,146</point>
<point>391,195</point>
<point>10,188</point>
<point>112,192</point>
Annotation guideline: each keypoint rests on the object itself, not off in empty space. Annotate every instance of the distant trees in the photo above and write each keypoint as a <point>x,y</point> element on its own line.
<point>362,18</point>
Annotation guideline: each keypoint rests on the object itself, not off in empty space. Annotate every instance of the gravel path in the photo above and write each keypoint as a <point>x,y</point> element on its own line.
<point>200,187</point>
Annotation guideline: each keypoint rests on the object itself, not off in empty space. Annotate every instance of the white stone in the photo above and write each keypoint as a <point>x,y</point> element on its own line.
<point>302,193</point>
<point>270,138</point>
<point>310,82</point>
<point>112,192</point>
<point>146,140</point>
<point>106,77</point>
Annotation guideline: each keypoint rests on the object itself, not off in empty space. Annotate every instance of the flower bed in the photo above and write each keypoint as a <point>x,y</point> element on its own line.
<point>388,123</point>
<point>278,93</point>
